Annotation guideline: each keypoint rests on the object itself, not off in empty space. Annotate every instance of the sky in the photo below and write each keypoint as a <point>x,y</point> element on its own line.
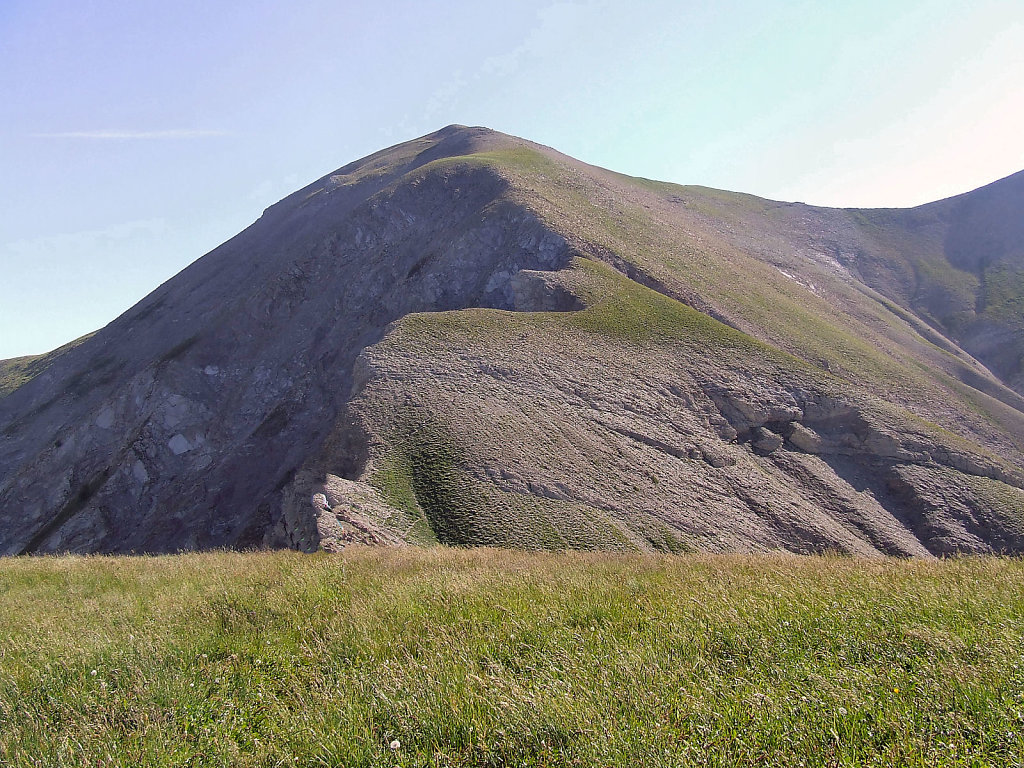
<point>137,136</point>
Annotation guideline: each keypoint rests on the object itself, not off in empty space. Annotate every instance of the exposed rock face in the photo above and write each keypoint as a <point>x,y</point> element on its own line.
<point>471,339</point>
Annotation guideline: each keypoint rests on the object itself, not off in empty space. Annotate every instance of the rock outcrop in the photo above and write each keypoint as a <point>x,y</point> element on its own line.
<point>471,339</point>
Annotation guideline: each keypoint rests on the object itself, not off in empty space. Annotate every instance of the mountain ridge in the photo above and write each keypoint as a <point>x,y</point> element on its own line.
<point>270,394</point>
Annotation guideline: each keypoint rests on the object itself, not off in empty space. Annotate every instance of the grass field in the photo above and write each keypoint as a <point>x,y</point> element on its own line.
<point>488,657</point>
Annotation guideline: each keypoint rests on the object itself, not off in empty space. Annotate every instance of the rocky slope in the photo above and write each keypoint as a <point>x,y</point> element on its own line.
<point>472,339</point>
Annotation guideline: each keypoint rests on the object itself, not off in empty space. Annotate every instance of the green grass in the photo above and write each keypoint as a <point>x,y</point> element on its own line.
<point>632,312</point>
<point>1004,294</point>
<point>393,479</point>
<point>16,371</point>
<point>869,349</point>
<point>488,657</point>
<point>616,307</point>
<point>423,474</point>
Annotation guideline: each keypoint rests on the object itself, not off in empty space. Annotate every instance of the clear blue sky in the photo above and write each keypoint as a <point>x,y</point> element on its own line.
<point>136,136</point>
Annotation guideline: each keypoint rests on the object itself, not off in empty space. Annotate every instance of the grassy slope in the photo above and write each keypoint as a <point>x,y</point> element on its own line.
<point>639,321</point>
<point>857,338</point>
<point>965,258</point>
<point>815,331</point>
<point>422,473</point>
<point>488,657</point>
<point>422,469</point>
<point>16,371</point>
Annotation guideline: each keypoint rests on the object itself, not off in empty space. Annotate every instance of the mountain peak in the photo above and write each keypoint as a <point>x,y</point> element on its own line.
<point>469,338</point>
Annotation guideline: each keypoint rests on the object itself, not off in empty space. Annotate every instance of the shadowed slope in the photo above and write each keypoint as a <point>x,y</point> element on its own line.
<point>471,338</point>
<point>959,264</point>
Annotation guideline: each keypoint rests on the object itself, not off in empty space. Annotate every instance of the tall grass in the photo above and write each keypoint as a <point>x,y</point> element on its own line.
<point>489,657</point>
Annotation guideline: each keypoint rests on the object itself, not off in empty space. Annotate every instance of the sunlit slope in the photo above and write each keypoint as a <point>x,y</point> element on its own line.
<point>573,475</point>
<point>640,423</point>
<point>959,263</point>
<point>487,657</point>
<point>785,273</point>
<point>16,371</point>
<point>472,339</point>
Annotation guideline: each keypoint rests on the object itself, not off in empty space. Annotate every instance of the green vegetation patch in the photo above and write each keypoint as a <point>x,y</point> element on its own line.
<point>423,471</point>
<point>442,657</point>
<point>518,158</point>
<point>527,521</point>
<point>617,308</point>
<point>633,312</point>
<point>18,370</point>
<point>1004,293</point>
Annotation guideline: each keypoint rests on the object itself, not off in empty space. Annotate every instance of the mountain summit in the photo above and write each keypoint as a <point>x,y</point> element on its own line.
<point>473,339</point>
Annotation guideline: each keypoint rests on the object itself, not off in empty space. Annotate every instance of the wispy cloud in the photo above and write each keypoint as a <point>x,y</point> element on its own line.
<point>177,133</point>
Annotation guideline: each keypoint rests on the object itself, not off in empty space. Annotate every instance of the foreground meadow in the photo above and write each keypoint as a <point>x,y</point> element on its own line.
<point>486,657</point>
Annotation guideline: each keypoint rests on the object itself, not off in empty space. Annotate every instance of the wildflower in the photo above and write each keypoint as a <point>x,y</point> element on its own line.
<point>896,689</point>
<point>93,673</point>
<point>395,744</point>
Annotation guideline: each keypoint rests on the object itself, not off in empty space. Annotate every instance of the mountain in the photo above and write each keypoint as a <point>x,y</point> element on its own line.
<point>473,339</point>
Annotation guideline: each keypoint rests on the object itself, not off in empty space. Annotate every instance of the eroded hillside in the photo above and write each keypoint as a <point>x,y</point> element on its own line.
<point>472,339</point>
